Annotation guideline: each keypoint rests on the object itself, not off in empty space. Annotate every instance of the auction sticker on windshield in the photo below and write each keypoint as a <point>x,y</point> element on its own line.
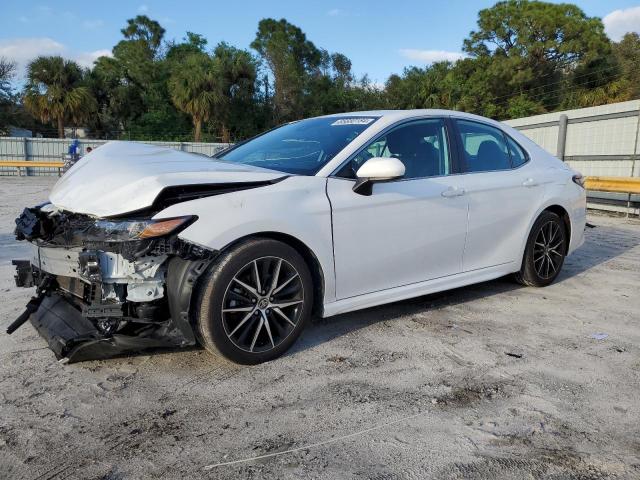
<point>353,121</point>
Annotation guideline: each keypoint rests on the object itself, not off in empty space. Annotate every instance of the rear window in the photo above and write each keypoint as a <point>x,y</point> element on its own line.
<point>518,156</point>
<point>484,147</point>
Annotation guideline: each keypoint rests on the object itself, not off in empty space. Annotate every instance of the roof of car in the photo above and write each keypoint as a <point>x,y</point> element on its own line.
<point>402,114</point>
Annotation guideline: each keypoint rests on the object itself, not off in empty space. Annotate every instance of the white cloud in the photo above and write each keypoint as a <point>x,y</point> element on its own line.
<point>619,22</point>
<point>143,8</point>
<point>23,50</point>
<point>86,59</point>
<point>431,56</point>
<point>338,12</point>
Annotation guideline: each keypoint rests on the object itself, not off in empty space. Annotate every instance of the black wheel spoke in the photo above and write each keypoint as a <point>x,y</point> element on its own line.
<point>239,297</point>
<point>262,304</point>
<point>547,248</point>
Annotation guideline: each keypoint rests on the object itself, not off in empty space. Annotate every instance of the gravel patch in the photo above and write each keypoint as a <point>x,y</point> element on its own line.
<point>489,381</point>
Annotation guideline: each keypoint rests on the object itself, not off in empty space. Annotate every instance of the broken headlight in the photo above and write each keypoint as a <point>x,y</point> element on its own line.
<point>128,230</point>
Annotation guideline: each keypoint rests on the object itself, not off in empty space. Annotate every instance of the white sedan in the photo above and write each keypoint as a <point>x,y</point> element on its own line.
<point>142,246</point>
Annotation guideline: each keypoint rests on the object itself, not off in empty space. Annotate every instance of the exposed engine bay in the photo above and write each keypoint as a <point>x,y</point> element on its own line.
<point>113,273</point>
<point>102,286</point>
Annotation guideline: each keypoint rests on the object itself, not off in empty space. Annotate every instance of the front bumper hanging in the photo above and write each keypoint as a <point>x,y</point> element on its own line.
<point>75,338</point>
<point>94,303</point>
<point>72,331</point>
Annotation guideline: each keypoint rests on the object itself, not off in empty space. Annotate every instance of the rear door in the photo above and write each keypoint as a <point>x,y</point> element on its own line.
<point>503,189</point>
<point>408,230</point>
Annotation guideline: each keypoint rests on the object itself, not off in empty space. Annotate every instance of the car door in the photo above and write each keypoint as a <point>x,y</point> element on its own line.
<point>408,230</point>
<point>503,192</point>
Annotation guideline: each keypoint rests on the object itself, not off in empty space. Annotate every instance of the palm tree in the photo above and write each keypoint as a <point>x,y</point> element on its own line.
<point>55,92</point>
<point>196,88</point>
<point>238,70</point>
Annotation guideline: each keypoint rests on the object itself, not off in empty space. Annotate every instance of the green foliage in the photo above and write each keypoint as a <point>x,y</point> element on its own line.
<point>55,91</point>
<point>7,97</point>
<point>145,32</point>
<point>238,70</point>
<point>7,72</point>
<point>291,58</point>
<point>627,54</point>
<point>538,34</point>
<point>197,89</point>
<point>525,57</point>
<point>192,43</point>
<point>132,86</point>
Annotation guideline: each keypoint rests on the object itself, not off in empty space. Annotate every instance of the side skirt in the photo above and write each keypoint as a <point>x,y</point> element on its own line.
<point>418,289</point>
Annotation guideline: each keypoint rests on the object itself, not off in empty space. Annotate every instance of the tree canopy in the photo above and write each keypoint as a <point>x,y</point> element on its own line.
<point>54,92</point>
<point>7,99</point>
<point>524,57</point>
<point>291,58</point>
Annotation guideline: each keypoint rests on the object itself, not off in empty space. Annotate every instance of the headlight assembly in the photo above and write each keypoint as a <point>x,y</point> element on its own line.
<point>128,230</point>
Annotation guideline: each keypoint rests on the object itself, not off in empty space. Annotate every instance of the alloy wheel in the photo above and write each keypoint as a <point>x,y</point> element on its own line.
<point>547,250</point>
<point>262,304</point>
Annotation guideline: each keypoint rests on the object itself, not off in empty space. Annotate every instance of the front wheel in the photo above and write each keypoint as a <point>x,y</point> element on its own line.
<point>545,251</point>
<point>254,301</point>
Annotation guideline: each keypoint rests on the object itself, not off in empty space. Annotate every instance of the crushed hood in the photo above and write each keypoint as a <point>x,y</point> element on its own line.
<point>122,177</point>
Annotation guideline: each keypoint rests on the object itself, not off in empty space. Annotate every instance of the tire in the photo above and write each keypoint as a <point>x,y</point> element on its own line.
<point>241,314</point>
<point>545,251</point>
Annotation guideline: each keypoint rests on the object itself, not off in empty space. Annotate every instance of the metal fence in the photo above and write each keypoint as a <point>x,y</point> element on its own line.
<point>596,141</point>
<point>53,149</point>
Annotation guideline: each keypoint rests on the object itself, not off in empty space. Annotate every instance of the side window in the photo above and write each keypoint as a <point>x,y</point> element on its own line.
<point>484,147</point>
<point>518,157</point>
<point>421,145</point>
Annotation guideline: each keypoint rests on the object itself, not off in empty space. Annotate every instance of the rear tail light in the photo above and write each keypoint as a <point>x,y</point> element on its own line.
<point>579,180</point>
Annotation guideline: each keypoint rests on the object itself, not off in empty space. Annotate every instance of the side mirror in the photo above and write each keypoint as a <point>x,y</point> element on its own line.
<point>377,169</point>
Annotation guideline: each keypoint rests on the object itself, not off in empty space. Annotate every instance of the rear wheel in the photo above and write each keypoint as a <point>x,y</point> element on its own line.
<point>254,301</point>
<point>545,251</point>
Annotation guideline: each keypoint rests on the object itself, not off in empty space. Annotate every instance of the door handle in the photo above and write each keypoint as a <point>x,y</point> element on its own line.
<point>453,192</point>
<point>529,182</point>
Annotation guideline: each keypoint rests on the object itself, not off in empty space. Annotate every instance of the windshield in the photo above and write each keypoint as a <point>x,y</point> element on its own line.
<point>302,147</point>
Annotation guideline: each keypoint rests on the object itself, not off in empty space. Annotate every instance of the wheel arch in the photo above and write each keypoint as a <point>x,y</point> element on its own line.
<point>566,220</point>
<point>553,206</point>
<point>310,258</point>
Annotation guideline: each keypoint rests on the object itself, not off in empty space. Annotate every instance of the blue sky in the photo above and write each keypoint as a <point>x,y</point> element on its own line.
<point>380,37</point>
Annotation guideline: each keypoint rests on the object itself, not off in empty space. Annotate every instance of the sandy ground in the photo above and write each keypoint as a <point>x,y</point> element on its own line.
<point>489,381</point>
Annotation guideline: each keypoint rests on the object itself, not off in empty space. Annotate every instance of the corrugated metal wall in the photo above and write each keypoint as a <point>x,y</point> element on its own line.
<point>600,141</point>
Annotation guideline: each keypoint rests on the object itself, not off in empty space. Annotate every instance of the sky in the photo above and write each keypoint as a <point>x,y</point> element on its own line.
<point>380,37</point>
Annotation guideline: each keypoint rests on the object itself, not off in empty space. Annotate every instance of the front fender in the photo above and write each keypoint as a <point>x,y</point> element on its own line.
<point>297,206</point>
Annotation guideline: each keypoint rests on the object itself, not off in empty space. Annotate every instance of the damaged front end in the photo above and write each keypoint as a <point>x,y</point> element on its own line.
<point>107,286</point>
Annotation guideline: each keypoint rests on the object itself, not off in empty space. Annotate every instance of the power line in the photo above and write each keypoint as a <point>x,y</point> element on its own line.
<point>557,92</point>
<point>612,67</point>
<point>560,91</point>
<point>566,86</point>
